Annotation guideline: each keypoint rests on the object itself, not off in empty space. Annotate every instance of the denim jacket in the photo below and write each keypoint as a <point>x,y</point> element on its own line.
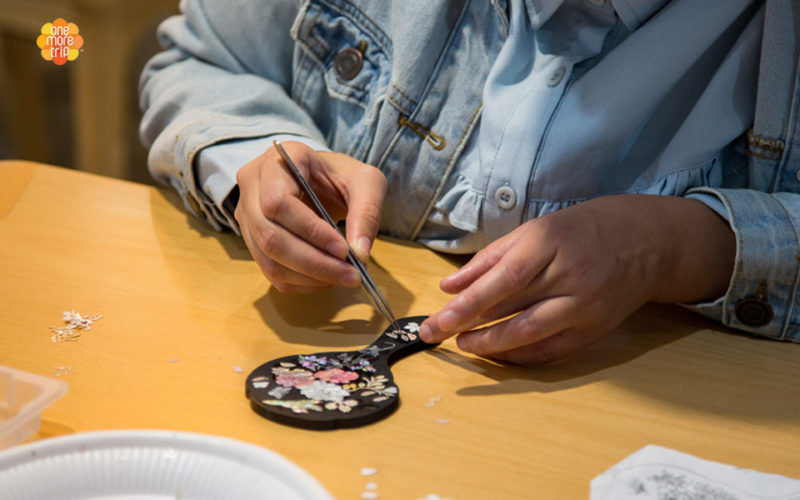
<point>401,85</point>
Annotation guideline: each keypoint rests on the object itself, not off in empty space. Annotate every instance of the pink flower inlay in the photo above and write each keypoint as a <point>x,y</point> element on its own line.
<point>336,376</point>
<point>296,377</point>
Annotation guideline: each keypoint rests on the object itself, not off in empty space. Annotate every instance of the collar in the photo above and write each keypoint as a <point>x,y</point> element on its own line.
<point>539,11</point>
<point>634,13</point>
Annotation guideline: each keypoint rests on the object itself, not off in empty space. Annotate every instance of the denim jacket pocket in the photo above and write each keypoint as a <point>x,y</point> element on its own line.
<point>347,47</point>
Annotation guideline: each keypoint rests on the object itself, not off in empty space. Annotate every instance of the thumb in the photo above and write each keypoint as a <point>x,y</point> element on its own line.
<point>365,201</point>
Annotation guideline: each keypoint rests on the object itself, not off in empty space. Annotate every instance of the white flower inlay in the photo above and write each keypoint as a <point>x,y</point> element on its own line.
<point>324,391</point>
<point>412,327</point>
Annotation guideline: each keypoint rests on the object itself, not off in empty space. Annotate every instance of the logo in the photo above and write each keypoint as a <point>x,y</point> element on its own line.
<point>60,41</point>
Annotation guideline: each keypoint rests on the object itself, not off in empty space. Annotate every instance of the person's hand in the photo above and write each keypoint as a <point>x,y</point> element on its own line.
<point>569,278</point>
<point>294,247</point>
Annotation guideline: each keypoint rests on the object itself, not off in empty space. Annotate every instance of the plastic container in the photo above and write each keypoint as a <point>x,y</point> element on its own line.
<point>23,397</point>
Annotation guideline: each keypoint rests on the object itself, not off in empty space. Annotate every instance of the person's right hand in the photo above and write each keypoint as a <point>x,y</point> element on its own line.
<point>296,249</point>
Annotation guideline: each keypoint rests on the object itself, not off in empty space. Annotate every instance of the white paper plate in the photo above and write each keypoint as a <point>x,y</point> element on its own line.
<point>123,465</point>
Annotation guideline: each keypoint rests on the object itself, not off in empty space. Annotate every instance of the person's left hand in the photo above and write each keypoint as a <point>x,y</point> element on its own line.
<point>569,278</point>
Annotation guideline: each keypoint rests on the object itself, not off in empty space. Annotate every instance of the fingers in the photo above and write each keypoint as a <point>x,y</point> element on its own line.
<point>299,219</point>
<point>555,347</point>
<point>572,276</point>
<point>536,323</point>
<point>293,253</point>
<point>364,201</point>
<point>495,293</point>
<point>286,237</point>
<point>296,249</point>
<point>478,265</point>
<point>284,277</point>
<point>512,304</point>
<point>545,332</point>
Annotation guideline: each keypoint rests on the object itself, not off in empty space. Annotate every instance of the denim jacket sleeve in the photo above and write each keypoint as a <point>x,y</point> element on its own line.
<point>212,85</point>
<point>216,168</point>
<point>762,297</point>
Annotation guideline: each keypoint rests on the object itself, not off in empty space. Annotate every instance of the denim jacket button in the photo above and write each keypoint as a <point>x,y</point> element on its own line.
<point>505,197</point>
<point>753,312</point>
<point>797,175</point>
<point>347,63</point>
<point>556,76</point>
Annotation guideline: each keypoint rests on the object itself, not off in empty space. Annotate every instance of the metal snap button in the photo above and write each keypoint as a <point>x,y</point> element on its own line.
<point>753,312</point>
<point>348,63</point>
<point>505,197</point>
<point>556,76</point>
<point>797,175</point>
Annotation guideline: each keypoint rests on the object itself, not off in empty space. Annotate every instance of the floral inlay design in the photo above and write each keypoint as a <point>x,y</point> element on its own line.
<point>336,376</point>
<point>407,333</point>
<point>328,383</point>
<point>335,389</point>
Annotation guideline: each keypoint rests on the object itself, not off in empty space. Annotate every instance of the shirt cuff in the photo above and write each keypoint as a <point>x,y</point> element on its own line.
<point>761,297</point>
<point>216,167</point>
<point>711,201</point>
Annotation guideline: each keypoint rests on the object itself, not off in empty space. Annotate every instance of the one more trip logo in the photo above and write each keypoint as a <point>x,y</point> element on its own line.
<point>60,41</point>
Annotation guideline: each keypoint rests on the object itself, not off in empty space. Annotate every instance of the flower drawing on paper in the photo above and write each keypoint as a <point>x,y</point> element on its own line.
<point>292,377</point>
<point>336,376</point>
<point>324,391</point>
<point>679,484</point>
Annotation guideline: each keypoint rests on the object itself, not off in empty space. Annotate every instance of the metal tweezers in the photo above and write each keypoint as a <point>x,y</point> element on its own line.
<point>366,280</point>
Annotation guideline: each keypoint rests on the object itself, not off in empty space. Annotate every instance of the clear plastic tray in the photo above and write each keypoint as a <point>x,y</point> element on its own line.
<point>23,397</point>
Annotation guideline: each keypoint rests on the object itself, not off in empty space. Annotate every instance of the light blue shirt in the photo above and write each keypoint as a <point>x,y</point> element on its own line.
<point>553,95</point>
<point>562,118</point>
<point>483,114</point>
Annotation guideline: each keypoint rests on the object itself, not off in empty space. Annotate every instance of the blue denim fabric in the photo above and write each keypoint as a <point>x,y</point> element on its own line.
<point>558,100</point>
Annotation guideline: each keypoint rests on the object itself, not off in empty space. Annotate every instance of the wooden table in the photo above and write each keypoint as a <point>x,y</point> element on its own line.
<point>183,305</point>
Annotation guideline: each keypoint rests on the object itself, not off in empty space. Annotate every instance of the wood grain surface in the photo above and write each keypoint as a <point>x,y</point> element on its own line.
<point>183,305</point>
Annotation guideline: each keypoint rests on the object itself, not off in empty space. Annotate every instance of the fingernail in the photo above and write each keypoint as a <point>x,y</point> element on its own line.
<point>450,280</point>
<point>338,249</point>
<point>449,320</point>
<point>363,246</point>
<point>425,333</point>
<point>462,343</point>
<point>350,279</point>
<point>452,275</point>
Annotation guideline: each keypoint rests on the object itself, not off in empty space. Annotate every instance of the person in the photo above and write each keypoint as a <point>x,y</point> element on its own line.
<point>594,154</point>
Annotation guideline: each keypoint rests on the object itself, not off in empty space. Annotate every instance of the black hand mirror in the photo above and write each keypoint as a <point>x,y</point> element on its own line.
<point>330,390</point>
